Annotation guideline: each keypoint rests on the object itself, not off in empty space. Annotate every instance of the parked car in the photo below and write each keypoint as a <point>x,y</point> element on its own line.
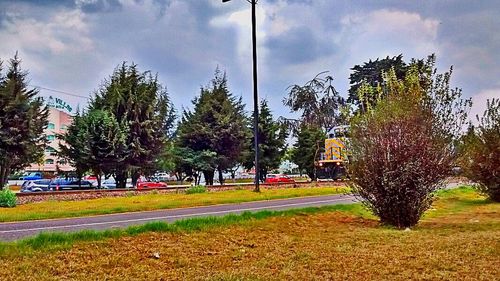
<point>273,178</point>
<point>70,184</point>
<point>143,183</point>
<point>32,176</point>
<point>35,185</point>
<point>111,184</point>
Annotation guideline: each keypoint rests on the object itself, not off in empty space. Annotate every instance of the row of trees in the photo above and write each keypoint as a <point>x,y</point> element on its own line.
<point>129,129</point>
<point>405,120</point>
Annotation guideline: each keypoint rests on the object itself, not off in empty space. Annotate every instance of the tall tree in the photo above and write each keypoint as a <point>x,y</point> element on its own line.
<point>106,142</point>
<point>23,118</point>
<point>306,150</point>
<point>73,145</point>
<point>367,78</point>
<point>318,102</point>
<point>139,101</point>
<point>272,142</point>
<point>217,124</point>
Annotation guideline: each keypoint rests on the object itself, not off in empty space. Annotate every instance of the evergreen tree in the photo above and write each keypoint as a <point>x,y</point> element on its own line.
<point>138,101</point>
<point>74,145</point>
<point>106,141</point>
<point>367,80</point>
<point>310,141</point>
<point>272,143</point>
<point>23,118</point>
<point>217,124</point>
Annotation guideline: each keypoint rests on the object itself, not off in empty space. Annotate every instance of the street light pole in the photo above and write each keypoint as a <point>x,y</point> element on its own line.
<point>255,96</point>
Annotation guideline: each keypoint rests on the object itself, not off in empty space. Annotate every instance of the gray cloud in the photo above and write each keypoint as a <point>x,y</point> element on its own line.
<point>73,45</point>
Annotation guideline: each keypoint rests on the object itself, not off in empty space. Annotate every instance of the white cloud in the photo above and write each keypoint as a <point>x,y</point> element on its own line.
<point>479,102</point>
<point>386,32</point>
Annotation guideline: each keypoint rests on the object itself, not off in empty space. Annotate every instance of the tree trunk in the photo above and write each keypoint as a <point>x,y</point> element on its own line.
<point>209,177</point>
<point>135,178</point>
<point>221,176</point>
<point>121,179</point>
<point>4,174</point>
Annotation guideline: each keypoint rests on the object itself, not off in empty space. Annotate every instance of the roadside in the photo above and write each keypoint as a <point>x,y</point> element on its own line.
<point>459,241</point>
<point>153,200</point>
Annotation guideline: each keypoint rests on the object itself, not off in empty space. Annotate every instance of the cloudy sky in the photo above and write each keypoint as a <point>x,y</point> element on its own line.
<point>72,45</point>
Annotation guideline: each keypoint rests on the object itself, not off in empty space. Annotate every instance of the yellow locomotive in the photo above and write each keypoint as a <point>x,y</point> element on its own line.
<point>333,160</point>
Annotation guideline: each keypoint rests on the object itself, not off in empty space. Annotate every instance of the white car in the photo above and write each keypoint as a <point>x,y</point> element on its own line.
<point>111,184</point>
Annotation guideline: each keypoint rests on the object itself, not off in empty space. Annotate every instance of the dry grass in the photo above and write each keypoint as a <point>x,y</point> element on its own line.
<point>456,241</point>
<point>109,205</point>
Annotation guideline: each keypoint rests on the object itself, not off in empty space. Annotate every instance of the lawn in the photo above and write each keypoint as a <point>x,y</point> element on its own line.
<point>110,205</point>
<point>457,240</point>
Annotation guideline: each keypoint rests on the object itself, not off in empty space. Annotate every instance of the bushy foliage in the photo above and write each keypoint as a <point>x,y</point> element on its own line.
<point>23,117</point>
<point>310,141</point>
<point>7,198</point>
<point>480,158</point>
<point>196,189</point>
<point>216,127</point>
<point>401,148</point>
<point>272,143</point>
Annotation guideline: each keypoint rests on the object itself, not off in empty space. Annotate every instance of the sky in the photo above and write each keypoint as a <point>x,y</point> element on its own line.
<point>73,45</point>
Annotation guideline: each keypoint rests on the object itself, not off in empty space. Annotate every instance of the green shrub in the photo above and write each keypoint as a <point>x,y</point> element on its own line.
<point>196,189</point>
<point>7,198</point>
<point>480,157</point>
<point>401,148</point>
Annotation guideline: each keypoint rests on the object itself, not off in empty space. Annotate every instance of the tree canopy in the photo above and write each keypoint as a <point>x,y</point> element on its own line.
<point>217,125</point>
<point>272,142</point>
<point>23,118</point>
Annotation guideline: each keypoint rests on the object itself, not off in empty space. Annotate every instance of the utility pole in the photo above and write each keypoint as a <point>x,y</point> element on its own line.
<point>255,96</point>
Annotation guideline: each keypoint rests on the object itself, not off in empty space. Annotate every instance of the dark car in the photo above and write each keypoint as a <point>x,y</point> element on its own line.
<point>35,185</point>
<point>70,184</point>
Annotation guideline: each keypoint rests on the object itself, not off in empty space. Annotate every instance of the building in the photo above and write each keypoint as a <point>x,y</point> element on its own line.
<point>59,119</point>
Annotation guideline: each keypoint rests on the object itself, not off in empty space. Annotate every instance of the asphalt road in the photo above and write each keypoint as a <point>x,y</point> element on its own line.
<point>17,230</point>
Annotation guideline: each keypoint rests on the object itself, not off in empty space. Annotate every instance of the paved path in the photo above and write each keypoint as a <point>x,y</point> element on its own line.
<point>17,230</point>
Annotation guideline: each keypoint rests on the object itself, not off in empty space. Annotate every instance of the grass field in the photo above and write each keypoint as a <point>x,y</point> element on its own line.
<point>109,205</point>
<point>457,240</point>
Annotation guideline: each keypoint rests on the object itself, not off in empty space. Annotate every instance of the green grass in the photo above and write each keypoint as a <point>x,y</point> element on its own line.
<point>57,240</point>
<point>148,202</point>
<point>450,201</point>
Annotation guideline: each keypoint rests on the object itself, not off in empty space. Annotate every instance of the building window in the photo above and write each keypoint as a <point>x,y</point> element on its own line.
<point>51,126</point>
<point>62,162</point>
<point>64,127</point>
<point>49,161</point>
<point>50,150</point>
<point>51,137</point>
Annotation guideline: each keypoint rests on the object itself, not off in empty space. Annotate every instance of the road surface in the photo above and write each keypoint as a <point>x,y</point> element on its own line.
<point>17,230</point>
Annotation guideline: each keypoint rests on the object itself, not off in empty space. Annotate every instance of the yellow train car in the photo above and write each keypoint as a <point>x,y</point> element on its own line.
<point>332,161</point>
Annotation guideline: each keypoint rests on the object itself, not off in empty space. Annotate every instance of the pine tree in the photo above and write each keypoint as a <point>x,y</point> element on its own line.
<point>217,124</point>
<point>23,118</point>
<point>106,141</point>
<point>73,145</point>
<point>139,101</point>
<point>272,143</point>
<point>307,148</point>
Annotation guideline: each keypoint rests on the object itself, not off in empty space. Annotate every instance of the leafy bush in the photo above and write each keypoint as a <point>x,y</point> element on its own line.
<point>196,189</point>
<point>480,158</point>
<point>401,148</point>
<point>7,198</point>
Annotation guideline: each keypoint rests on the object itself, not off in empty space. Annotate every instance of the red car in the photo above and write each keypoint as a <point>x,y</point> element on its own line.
<point>279,179</point>
<point>143,183</point>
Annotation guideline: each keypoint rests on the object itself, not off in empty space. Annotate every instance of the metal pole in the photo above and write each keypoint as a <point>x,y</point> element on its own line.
<point>255,100</point>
